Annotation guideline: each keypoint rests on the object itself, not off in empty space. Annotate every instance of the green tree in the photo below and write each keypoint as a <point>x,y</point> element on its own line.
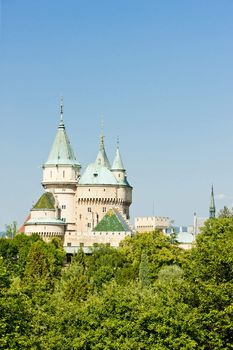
<point>144,275</point>
<point>4,276</point>
<point>11,230</point>
<point>225,212</point>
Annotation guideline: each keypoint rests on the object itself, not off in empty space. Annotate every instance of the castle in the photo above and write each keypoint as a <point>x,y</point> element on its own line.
<point>81,209</point>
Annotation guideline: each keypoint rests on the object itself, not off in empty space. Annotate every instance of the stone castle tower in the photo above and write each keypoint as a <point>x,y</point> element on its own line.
<point>78,202</point>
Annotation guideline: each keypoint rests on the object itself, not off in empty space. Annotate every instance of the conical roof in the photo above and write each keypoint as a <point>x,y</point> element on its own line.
<point>61,151</point>
<point>46,201</point>
<point>117,163</point>
<point>102,158</point>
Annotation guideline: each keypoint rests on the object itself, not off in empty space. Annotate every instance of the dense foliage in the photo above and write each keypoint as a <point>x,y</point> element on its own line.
<point>148,294</point>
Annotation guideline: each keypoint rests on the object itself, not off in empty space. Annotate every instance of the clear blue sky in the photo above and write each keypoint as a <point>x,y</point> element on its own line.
<point>159,71</point>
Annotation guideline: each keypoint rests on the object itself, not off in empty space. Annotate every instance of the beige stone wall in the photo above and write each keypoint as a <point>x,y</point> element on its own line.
<point>47,232</point>
<point>65,198</point>
<point>93,202</point>
<point>150,223</point>
<point>61,174</point>
<point>87,239</point>
<point>48,213</point>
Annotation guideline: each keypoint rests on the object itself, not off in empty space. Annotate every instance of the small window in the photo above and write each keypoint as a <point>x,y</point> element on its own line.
<point>64,219</point>
<point>80,216</point>
<point>69,244</point>
<point>81,244</point>
<point>88,225</point>
<point>104,209</point>
<point>89,210</point>
<point>63,206</point>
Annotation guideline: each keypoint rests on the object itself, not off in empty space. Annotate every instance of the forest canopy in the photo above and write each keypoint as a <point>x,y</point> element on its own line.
<point>147,294</point>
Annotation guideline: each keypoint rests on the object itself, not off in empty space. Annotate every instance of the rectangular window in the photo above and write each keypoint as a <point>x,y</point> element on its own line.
<point>89,210</point>
<point>64,219</point>
<point>63,206</point>
<point>69,244</point>
<point>81,244</point>
<point>88,225</point>
<point>104,209</point>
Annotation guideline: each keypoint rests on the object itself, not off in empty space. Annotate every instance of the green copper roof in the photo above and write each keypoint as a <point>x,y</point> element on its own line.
<point>97,175</point>
<point>46,201</point>
<point>112,222</point>
<point>117,163</point>
<point>61,152</point>
<point>45,221</point>
<point>102,158</point>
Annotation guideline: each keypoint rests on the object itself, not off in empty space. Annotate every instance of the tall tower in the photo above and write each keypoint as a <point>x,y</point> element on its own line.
<point>60,174</point>
<point>212,204</point>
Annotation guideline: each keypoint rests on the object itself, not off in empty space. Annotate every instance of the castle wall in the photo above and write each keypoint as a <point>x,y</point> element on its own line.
<point>93,202</point>
<point>86,239</point>
<point>60,173</point>
<point>150,223</point>
<point>46,232</point>
<point>43,213</point>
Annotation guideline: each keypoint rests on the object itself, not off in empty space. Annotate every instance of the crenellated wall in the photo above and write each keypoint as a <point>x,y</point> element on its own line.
<point>93,202</point>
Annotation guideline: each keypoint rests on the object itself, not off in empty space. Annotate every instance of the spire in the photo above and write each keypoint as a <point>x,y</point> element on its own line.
<point>102,158</point>
<point>117,163</point>
<point>61,151</point>
<point>61,124</point>
<point>212,204</point>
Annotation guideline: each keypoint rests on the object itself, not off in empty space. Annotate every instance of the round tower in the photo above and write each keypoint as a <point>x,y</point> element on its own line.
<point>60,174</point>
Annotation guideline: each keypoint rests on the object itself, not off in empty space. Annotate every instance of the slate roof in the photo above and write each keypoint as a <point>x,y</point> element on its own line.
<point>61,151</point>
<point>97,175</point>
<point>102,158</point>
<point>117,163</point>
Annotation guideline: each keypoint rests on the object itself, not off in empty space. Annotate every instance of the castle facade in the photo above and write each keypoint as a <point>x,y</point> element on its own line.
<point>81,208</point>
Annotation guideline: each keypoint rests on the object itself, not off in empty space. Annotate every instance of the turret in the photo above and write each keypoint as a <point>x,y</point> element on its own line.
<point>118,168</point>
<point>61,166</point>
<point>212,204</point>
<point>102,158</point>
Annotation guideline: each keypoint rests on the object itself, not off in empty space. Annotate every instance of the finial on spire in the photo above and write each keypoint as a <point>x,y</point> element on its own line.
<point>61,105</point>
<point>118,142</point>
<point>102,134</point>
